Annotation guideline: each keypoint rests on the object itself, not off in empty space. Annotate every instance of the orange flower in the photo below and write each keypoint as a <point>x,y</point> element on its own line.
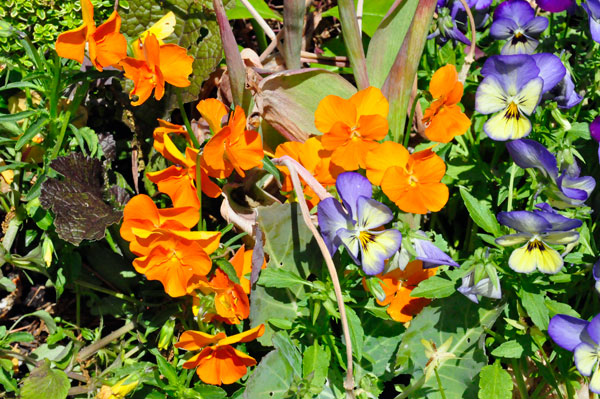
<point>218,362</point>
<point>444,118</point>
<point>352,127</point>
<point>156,65</point>
<point>398,284</point>
<point>106,46</point>
<point>179,182</point>
<point>176,257</point>
<point>412,181</point>
<point>141,216</point>
<point>315,158</point>
<point>232,147</point>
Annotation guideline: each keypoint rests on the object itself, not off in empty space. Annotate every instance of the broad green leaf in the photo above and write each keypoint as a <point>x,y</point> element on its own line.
<point>288,100</point>
<point>434,287</point>
<point>535,305</point>
<point>315,364</point>
<point>210,391</point>
<point>45,382</point>
<point>271,378</point>
<point>19,336</point>
<point>167,370</point>
<point>196,30</point>
<point>291,247</point>
<point>356,332</point>
<point>373,13</point>
<point>560,308</point>
<point>509,349</point>
<point>495,383</point>
<point>380,343</point>
<point>461,321</point>
<point>280,278</point>
<point>481,213</point>
<point>382,51</point>
<point>287,348</point>
<point>352,37</point>
<point>241,12</point>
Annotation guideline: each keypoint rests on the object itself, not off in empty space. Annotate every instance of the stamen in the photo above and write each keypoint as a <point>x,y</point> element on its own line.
<point>365,238</point>
<point>535,244</point>
<point>512,111</point>
<point>519,37</point>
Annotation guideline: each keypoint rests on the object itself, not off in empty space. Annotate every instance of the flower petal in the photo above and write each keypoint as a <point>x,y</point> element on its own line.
<point>524,221</point>
<point>372,214</point>
<point>551,68</point>
<point>351,186</point>
<point>431,255</point>
<point>175,65</point>
<point>332,217</point>
<point>370,101</point>
<point>384,156</point>
<point>491,96</point>
<point>585,358</point>
<point>333,109</point>
<point>513,239</point>
<point>374,253</point>
<point>566,331</point>
<point>531,154</point>
<point>560,237</point>
<point>534,255</point>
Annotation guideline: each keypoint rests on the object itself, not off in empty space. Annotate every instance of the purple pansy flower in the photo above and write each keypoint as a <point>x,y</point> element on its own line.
<point>511,89</point>
<point>536,229</point>
<point>556,5</point>
<point>515,22</point>
<point>583,339</point>
<point>564,93</point>
<point>431,255</point>
<point>447,25</point>
<point>596,274</point>
<point>571,188</point>
<point>595,132</point>
<point>473,289</point>
<point>355,224</point>
<point>592,7</point>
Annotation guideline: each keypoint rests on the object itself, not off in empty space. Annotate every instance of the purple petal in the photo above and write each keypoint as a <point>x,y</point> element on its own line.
<point>524,221</point>
<point>503,28</point>
<point>592,7</point>
<point>577,188</point>
<point>518,10</point>
<point>558,222</point>
<point>595,129</point>
<point>536,26</point>
<point>332,217</point>
<point>596,270</point>
<point>593,329</point>
<point>351,186</point>
<point>511,70</point>
<point>555,5</point>
<point>349,238</point>
<point>531,154</point>
<point>431,255</point>
<point>595,29</point>
<point>551,68</point>
<point>565,95</point>
<point>566,331</point>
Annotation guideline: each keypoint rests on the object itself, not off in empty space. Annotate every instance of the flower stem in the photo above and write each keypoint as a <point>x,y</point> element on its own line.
<point>519,377</point>
<point>439,381</point>
<point>106,291</point>
<point>511,184</point>
<point>186,121</point>
<point>199,190</point>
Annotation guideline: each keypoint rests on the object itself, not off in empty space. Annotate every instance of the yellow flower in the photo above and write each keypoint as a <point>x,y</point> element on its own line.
<point>119,390</point>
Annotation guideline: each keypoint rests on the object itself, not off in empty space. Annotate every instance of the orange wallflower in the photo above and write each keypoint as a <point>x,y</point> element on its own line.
<point>232,146</point>
<point>444,118</point>
<point>315,158</point>
<point>176,257</point>
<point>398,284</point>
<point>156,65</point>
<point>142,215</point>
<point>352,127</point>
<point>218,362</point>
<point>106,46</point>
<point>412,181</point>
<point>179,181</point>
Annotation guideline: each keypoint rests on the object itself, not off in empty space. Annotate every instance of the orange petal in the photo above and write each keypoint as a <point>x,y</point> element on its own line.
<point>237,122</point>
<point>213,111</point>
<point>434,195</point>
<point>87,13</point>
<point>443,81</point>
<point>449,122</point>
<point>245,336</point>
<point>333,109</point>
<point>140,207</point>
<point>246,152</point>
<point>193,340</point>
<point>370,101</point>
<point>428,167</point>
<point>395,184</point>
<point>177,184</point>
<point>404,307</point>
<point>142,76</point>
<point>338,135</point>
<point>225,365</point>
<point>213,155</point>
<point>111,45</point>
<point>383,156</point>
<point>71,44</point>
<point>175,65</point>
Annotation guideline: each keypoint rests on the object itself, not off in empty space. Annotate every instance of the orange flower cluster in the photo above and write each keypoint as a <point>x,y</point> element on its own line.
<point>412,181</point>
<point>218,362</point>
<point>398,284</point>
<point>167,250</point>
<point>315,158</point>
<point>153,64</point>
<point>444,119</point>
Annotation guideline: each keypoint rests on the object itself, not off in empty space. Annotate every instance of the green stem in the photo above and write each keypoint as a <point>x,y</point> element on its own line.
<point>61,135</point>
<point>439,381</point>
<point>549,367</point>
<point>511,185</point>
<point>519,377</point>
<point>261,38</point>
<point>186,121</point>
<point>199,190</point>
<point>411,388</point>
<point>410,120</point>
<point>106,291</point>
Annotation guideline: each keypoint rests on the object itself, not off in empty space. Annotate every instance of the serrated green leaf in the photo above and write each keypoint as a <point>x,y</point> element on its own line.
<point>509,349</point>
<point>272,378</point>
<point>286,347</point>
<point>380,343</point>
<point>356,332</point>
<point>45,382</point>
<point>210,391</point>
<point>434,287</point>
<point>495,383</point>
<point>315,364</point>
<point>280,278</point>
<point>480,213</point>
<point>534,304</point>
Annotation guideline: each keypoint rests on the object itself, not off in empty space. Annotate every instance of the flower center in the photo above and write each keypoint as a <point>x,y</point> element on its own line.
<point>519,37</point>
<point>366,237</point>
<point>412,180</point>
<point>512,111</point>
<point>535,244</point>
<point>354,132</point>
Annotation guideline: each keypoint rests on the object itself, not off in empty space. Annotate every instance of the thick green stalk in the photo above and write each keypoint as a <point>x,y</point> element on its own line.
<point>293,25</point>
<point>353,41</point>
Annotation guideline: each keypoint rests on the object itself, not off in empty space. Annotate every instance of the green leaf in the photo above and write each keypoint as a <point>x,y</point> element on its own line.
<point>196,30</point>
<point>480,213</point>
<point>228,269</point>
<point>32,131</point>
<point>16,117</point>
<point>167,370</point>
<point>373,13</point>
<point>495,383</point>
<point>382,51</point>
<point>434,287</point>
<point>241,12</point>
<point>272,378</point>
<point>19,336</point>
<point>280,278</point>
<point>286,347</point>
<point>291,247</point>
<point>45,382</point>
<point>315,364</point>
<point>380,343</point>
<point>534,304</point>
<point>288,100</point>
<point>356,332</point>
<point>509,349</point>
<point>210,391</point>
<point>560,308</point>
<point>463,322</point>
